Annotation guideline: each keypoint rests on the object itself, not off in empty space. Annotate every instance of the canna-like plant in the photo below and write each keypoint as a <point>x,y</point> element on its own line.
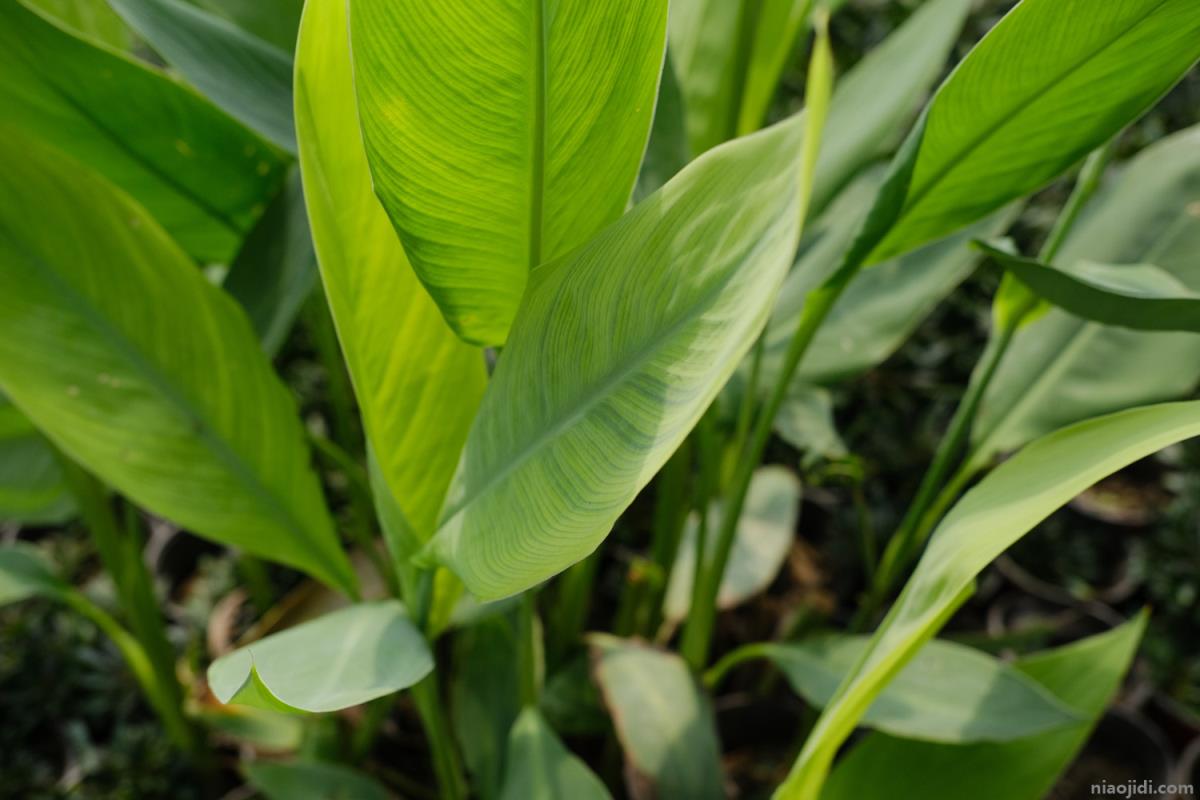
<point>564,260</point>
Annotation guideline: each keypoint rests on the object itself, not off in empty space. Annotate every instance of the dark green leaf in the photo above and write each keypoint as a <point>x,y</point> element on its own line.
<point>540,768</point>
<point>312,780</point>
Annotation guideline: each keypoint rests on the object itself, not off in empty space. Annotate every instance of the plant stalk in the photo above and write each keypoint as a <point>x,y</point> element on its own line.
<point>447,765</point>
<point>149,651</point>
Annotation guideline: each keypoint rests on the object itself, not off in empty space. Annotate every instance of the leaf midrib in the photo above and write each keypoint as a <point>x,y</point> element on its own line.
<point>175,397</point>
<point>1012,114</point>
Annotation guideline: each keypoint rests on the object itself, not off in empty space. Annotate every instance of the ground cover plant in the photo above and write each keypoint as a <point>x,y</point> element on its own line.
<point>494,399</point>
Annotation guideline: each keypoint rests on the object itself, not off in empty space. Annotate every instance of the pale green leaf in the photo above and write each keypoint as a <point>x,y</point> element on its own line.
<point>25,573</point>
<point>248,78</point>
<point>1061,369</point>
<point>121,352</point>
<point>618,350</point>
<point>948,693</point>
<point>1139,296</point>
<point>662,718</point>
<point>875,100</point>
<point>1005,506</point>
<point>764,537</point>
<point>502,135</point>
<point>32,488</point>
<point>204,177</point>
<point>418,387</point>
<point>1084,675</point>
<point>275,270</point>
<point>805,421</point>
<point>342,659</point>
<point>540,768</point>
<point>312,780</point>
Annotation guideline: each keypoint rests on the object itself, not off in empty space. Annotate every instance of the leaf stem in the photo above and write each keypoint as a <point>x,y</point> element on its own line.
<point>447,765</point>
<point>148,652</point>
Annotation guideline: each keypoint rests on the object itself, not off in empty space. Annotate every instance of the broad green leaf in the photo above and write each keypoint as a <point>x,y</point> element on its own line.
<point>276,269</point>
<point>948,693</point>
<point>418,386</point>
<point>1005,506</point>
<point>247,77</point>
<point>1084,675</point>
<point>32,489</point>
<point>312,780</point>
<point>540,768</point>
<point>1052,81</point>
<point>502,135</point>
<point>25,573</point>
<point>205,178</point>
<point>776,28</point>
<point>571,703</point>
<point>485,698</point>
<point>89,18</point>
<point>1061,369</point>
<point>618,350</point>
<point>662,718</point>
<point>273,21</point>
<point>765,533</point>
<point>1139,296</point>
<point>121,352</point>
<point>272,731</point>
<point>876,99</point>
<point>336,661</point>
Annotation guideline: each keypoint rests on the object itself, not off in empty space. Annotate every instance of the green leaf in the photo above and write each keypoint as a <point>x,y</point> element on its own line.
<point>1005,506</point>
<point>418,386</point>
<point>1051,82</point>
<point>25,573</point>
<point>121,352</point>
<point>273,21</point>
<point>1061,369</point>
<point>342,659</point>
<point>312,780</point>
<point>948,693</point>
<point>203,177</point>
<point>485,697</point>
<point>875,101</point>
<point>1085,675</point>
<point>89,18</point>
<point>765,533</point>
<point>540,768</point>
<point>520,144</point>
<point>1139,296</point>
<point>618,350</point>
<point>276,269</point>
<point>32,488</point>
<point>247,77</point>
<point>663,720</point>
<point>777,27</point>
<point>707,37</point>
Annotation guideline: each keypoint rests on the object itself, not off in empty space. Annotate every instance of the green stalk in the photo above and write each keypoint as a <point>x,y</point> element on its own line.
<point>447,765</point>
<point>574,599</point>
<point>528,651</point>
<point>697,634</point>
<point>149,651</point>
<point>932,499</point>
<point>695,643</point>
<point>670,514</point>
